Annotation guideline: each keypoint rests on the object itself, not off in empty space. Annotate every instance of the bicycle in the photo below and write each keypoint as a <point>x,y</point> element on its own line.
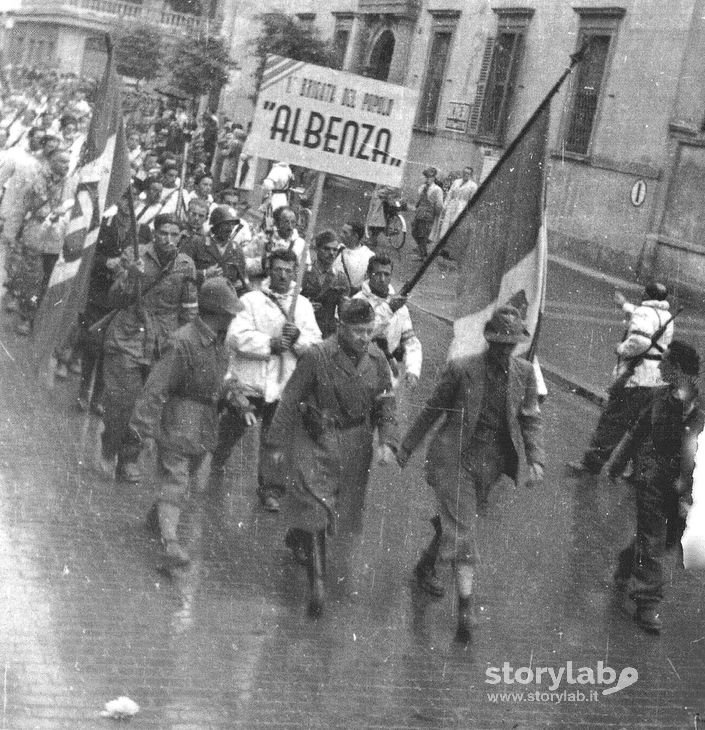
<point>395,226</point>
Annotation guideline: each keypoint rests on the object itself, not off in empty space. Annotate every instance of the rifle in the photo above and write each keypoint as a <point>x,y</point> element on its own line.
<point>635,360</point>
<point>292,307</point>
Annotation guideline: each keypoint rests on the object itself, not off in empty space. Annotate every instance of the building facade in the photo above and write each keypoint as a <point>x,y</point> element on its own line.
<point>627,147</point>
<point>69,34</point>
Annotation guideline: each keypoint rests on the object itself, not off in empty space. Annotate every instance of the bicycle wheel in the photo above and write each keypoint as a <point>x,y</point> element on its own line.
<point>396,232</point>
<point>303,220</point>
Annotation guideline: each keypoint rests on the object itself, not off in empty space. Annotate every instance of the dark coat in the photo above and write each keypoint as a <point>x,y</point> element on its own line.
<point>459,396</point>
<point>325,424</point>
<point>205,253</point>
<point>179,404</point>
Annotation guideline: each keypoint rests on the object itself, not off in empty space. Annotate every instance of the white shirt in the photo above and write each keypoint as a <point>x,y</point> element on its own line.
<point>352,263</point>
<point>250,337</point>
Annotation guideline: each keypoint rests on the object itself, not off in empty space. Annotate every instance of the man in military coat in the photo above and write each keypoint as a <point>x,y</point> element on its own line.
<point>323,434</point>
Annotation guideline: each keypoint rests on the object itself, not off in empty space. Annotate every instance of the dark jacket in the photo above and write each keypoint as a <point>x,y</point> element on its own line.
<point>168,300</point>
<point>179,404</point>
<point>457,400</point>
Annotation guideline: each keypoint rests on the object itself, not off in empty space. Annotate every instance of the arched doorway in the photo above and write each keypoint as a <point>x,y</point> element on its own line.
<point>381,56</point>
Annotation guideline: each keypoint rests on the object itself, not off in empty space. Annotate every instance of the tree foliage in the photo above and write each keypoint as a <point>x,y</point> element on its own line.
<point>286,36</point>
<point>199,65</point>
<point>138,51</point>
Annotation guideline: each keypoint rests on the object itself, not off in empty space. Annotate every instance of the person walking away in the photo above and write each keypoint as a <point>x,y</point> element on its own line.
<point>264,347</point>
<point>490,413</point>
<point>393,332</point>
<point>649,333</point>
<point>323,434</point>
<point>429,206</point>
<point>178,408</point>
<point>353,259</point>
<point>323,286</point>
<point>153,295</point>
<point>663,475</point>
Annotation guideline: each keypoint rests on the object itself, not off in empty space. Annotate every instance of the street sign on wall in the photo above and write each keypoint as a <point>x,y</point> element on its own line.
<point>332,121</point>
<point>458,116</point>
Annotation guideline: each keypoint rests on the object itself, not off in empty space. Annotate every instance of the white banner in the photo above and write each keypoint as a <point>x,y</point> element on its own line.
<point>332,121</point>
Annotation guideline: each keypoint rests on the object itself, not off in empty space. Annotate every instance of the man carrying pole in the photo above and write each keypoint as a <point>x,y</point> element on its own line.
<point>486,399</point>
<point>266,339</point>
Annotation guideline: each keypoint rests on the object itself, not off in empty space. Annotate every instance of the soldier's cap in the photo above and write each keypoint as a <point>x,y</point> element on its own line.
<point>356,311</point>
<point>218,296</point>
<point>506,326</point>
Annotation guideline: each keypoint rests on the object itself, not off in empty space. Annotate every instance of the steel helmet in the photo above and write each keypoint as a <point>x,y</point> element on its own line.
<point>222,214</point>
<point>217,296</point>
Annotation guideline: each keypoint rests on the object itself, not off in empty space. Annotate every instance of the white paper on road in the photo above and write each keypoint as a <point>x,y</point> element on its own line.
<point>693,540</point>
<point>332,121</point>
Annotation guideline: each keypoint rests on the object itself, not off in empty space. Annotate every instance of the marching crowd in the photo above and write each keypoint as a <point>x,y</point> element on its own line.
<point>199,324</point>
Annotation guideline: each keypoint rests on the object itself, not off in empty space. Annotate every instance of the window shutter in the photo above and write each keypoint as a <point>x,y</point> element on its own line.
<point>481,85</point>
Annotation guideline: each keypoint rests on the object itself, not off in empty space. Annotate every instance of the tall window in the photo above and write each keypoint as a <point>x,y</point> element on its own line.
<point>441,40</point>
<point>493,105</point>
<point>381,57</point>
<point>598,27</point>
<point>341,37</point>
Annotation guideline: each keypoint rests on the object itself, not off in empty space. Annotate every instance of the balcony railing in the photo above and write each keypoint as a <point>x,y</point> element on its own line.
<point>123,9</point>
<point>401,8</point>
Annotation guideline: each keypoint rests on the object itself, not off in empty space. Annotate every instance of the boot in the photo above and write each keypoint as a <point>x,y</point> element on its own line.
<point>467,621</point>
<point>426,567</point>
<point>316,572</point>
<point>168,515</point>
<point>299,542</point>
<point>648,618</point>
<point>152,521</point>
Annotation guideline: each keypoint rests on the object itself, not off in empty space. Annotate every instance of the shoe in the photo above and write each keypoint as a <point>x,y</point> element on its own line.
<point>316,567</point>
<point>428,580</point>
<point>9,304</point>
<point>23,328</point>
<point>467,621</point>
<point>579,467</point>
<point>61,371</point>
<point>649,619</point>
<point>129,472</point>
<point>106,466</point>
<point>176,555</point>
<point>294,540</point>
<point>152,521</point>
<point>97,408</point>
<point>271,504</point>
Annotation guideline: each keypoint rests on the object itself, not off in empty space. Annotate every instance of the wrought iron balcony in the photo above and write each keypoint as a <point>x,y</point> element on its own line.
<point>109,10</point>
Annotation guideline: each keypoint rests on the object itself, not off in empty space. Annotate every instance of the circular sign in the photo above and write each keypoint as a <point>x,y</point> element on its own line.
<point>638,194</point>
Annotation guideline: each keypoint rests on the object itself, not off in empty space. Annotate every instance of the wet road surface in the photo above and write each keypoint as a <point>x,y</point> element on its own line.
<point>85,616</point>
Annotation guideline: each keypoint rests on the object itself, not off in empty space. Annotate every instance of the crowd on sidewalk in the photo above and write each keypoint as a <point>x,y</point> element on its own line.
<point>202,321</point>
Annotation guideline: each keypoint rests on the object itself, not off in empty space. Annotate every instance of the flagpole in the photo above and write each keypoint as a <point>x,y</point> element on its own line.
<point>575,58</point>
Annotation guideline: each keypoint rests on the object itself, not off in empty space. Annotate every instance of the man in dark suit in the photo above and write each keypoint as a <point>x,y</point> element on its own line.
<point>491,414</point>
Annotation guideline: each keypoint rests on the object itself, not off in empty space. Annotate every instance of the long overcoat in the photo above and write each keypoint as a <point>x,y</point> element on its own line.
<point>327,472</point>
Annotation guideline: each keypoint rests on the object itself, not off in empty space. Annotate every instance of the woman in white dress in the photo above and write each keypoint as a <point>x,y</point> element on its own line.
<point>458,196</point>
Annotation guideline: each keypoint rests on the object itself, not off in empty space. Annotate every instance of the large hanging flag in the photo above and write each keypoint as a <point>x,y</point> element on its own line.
<point>500,237</point>
<point>101,179</point>
<point>500,243</point>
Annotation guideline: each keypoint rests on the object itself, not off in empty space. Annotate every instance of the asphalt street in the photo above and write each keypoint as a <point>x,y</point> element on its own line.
<point>85,616</point>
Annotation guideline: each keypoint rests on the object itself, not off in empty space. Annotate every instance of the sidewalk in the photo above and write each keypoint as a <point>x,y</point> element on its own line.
<point>581,326</point>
